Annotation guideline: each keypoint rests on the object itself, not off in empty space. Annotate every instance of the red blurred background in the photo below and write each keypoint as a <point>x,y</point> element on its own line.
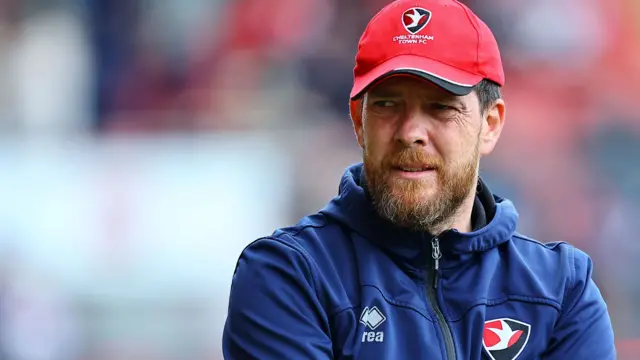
<point>150,79</point>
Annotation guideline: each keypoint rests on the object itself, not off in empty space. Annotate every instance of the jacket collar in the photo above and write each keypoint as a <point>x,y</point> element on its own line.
<point>494,221</point>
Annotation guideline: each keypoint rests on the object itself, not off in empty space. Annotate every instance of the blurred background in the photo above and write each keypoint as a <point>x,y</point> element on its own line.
<point>144,143</point>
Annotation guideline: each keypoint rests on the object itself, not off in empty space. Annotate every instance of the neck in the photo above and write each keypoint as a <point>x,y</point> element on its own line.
<point>461,221</point>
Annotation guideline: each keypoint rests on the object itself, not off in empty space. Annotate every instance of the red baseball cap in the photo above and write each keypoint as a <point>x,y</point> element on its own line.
<point>442,41</point>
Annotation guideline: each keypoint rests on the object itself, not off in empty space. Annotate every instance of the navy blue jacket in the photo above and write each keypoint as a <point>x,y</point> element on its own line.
<point>346,284</point>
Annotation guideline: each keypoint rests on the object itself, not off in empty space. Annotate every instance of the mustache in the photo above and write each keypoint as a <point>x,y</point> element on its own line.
<point>412,157</point>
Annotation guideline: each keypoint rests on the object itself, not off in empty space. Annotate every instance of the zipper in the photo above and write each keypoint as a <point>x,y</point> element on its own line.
<point>431,289</point>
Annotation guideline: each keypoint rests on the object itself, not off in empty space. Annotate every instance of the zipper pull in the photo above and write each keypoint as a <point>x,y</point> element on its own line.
<point>436,254</point>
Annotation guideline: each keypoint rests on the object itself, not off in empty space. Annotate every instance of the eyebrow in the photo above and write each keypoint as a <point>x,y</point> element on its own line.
<point>445,98</point>
<point>454,100</point>
<point>384,93</point>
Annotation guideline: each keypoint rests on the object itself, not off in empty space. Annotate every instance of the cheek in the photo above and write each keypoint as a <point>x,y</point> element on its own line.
<point>455,149</point>
<point>375,144</point>
<point>468,151</point>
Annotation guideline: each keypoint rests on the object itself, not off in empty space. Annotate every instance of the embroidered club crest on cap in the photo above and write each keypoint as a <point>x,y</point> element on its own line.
<point>415,19</point>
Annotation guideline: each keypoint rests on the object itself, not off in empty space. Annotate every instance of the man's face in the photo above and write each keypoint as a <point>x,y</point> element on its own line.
<point>421,149</point>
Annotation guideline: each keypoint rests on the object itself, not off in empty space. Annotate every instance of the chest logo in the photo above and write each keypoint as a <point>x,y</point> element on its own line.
<point>371,318</point>
<point>505,339</point>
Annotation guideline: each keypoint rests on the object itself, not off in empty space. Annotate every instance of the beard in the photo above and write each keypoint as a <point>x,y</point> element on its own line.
<point>424,204</point>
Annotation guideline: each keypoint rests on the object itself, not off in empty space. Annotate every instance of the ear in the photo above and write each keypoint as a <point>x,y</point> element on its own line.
<point>492,127</point>
<point>356,109</point>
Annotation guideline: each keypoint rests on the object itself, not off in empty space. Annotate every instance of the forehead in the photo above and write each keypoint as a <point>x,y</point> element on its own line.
<point>402,85</point>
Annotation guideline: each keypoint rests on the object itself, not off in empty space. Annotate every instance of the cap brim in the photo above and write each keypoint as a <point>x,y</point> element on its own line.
<point>451,79</point>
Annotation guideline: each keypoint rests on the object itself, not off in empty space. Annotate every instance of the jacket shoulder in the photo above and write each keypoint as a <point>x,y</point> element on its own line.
<point>583,328</point>
<point>328,251</point>
<point>556,265</point>
<point>317,236</point>
<point>560,253</point>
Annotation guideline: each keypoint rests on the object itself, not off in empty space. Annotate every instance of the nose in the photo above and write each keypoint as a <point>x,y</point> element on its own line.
<point>413,129</point>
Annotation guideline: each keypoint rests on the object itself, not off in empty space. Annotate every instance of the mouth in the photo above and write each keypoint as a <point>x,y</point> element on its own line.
<point>413,171</point>
<point>414,168</point>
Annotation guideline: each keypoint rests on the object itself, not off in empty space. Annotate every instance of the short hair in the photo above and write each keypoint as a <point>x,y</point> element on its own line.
<point>488,93</point>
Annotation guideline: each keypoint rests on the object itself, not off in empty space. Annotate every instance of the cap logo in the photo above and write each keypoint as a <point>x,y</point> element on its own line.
<point>415,19</point>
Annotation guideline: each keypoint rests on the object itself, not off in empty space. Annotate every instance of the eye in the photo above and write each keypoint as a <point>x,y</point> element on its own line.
<point>384,103</point>
<point>443,107</point>
<point>386,108</point>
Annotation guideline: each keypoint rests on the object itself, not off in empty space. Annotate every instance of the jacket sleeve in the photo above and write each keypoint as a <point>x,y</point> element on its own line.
<point>274,312</point>
<point>584,329</point>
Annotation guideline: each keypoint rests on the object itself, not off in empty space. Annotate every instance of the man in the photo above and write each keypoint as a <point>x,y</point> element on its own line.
<point>416,258</point>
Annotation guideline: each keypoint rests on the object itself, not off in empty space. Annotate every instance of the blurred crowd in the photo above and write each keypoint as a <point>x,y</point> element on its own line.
<point>283,68</point>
